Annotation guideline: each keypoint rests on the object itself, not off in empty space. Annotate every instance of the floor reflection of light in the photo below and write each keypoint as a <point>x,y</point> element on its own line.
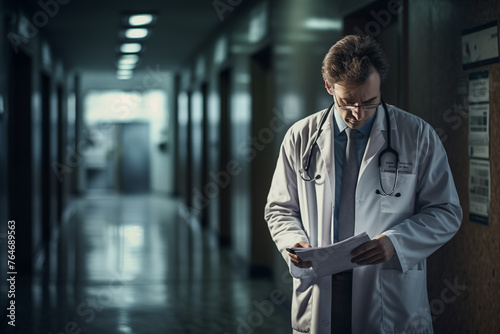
<point>134,236</point>
<point>123,322</point>
<point>133,242</point>
<point>124,329</point>
<point>112,252</point>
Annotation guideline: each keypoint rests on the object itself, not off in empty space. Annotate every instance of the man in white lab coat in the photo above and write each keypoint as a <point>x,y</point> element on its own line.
<point>408,210</point>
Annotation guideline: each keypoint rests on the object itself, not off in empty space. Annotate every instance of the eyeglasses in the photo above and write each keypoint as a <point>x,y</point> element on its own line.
<point>361,106</point>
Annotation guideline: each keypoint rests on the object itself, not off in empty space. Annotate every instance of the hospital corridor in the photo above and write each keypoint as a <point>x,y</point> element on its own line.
<point>163,164</point>
<point>136,265</point>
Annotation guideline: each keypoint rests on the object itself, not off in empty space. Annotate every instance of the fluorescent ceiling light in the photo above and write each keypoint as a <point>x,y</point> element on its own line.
<point>128,59</point>
<point>130,47</point>
<point>134,33</point>
<point>316,23</point>
<point>140,19</point>
<point>124,72</point>
<point>122,66</point>
<point>124,77</point>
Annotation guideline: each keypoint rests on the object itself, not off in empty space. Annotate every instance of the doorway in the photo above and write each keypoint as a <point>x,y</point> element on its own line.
<point>61,144</point>
<point>205,151</point>
<point>225,156</point>
<point>20,157</point>
<point>134,159</point>
<point>124,133</point>
<point>46,189</point>
<point>263,163</point>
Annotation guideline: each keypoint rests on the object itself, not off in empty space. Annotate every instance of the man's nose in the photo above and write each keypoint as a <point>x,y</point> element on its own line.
<point>358,113</point>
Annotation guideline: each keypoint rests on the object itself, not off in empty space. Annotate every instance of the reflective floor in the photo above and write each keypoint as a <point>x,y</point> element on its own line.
<point>133,264</point>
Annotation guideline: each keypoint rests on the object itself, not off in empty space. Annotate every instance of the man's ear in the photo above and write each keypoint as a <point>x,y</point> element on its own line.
<point>328,88</point>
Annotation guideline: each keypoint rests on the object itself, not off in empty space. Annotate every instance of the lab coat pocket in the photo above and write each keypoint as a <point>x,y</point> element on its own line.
<point>301,305</point>
<point>405,307</point>
<point>403,198</point>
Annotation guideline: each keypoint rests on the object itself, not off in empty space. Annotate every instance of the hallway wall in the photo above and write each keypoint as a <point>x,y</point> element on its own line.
<point>3,142</point>
<point>437,93</point>
<point>203,197</point>
<point>34,134</point>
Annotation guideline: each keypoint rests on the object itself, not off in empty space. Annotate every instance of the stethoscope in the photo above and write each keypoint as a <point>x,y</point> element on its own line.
<point>304,172</point>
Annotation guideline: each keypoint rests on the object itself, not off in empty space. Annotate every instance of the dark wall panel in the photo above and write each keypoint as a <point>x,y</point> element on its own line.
<point>20,158</point>
<point>470,261</point>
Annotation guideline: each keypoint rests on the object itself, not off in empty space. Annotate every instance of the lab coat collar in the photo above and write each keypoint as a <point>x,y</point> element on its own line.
<point>325,139</point>
<point>377,137</point>
<point>325,145</point>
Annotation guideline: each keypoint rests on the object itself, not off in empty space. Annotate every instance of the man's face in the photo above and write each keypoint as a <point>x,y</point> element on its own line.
<point>366,94</point>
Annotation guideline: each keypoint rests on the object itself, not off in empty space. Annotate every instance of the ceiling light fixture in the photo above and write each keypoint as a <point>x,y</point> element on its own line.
<point>135,27</point>
<point>317,23</point>
<point>136,33</point>
<point>122,66</point>
<point>123,76</point>
<point>124,72</point>
<point>130,47</point>
<point>140,19</point>
<point>128,59</point>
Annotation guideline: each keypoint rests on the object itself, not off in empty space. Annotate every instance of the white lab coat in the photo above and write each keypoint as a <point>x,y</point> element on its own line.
<point>390,297</point>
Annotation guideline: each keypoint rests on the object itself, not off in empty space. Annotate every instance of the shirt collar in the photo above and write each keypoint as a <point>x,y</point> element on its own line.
<point>341,125</point>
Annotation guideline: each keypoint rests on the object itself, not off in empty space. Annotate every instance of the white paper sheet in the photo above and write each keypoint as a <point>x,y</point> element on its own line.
<point>333,259</point>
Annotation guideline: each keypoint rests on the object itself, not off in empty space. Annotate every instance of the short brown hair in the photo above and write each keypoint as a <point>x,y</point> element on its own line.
<point>348,61</point>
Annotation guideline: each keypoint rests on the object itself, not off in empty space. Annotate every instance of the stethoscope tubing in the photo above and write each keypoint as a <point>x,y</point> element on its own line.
<point>305,170</point>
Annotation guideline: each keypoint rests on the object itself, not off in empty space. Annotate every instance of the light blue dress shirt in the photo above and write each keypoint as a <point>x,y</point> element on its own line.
<point>340,143</point>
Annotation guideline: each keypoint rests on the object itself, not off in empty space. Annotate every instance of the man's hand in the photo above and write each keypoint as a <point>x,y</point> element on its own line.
<point>380,249</point>
<point>296,260</point>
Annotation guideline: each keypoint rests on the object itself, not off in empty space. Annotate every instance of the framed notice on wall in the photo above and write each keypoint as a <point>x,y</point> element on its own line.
<point>479,191</point>
<point>479,114</point>
<point>480,45</point>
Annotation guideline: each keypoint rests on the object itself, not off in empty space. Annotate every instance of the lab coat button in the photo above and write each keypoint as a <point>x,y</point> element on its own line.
<point>326,323</point>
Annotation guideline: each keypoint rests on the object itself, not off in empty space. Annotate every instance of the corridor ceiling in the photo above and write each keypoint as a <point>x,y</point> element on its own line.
<point>85,33</point>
